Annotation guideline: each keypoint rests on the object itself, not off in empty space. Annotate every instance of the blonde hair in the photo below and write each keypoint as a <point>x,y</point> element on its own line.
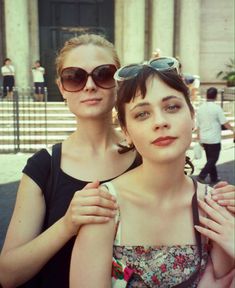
<point>84,39</point>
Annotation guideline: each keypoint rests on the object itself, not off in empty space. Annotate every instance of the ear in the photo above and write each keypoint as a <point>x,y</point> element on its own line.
<point>63,93</point>
<point>127,137</point>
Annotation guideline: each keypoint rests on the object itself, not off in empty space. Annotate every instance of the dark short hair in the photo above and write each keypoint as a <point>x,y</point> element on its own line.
<point>127,90</point>
<point>6,59</point>
<point>211,93</point>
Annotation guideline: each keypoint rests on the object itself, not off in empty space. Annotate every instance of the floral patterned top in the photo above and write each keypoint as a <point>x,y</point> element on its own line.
<point>157,266</point>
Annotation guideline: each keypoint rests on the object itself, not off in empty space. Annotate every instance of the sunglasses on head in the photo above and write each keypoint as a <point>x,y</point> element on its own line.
<point>74,79</point>
<point>159,64</point>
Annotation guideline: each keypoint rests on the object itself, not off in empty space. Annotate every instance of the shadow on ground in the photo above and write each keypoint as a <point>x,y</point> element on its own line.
<point>8,192</point>
<point>226,172</point>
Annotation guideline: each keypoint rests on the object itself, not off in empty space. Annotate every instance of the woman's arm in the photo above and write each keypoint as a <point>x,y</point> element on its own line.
<point>23,253</point>
<point>91,261</point>
<point>220,229</point>
<point>25,250</point>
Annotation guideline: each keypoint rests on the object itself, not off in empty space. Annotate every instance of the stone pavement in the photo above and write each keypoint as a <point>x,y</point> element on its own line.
<point>12,164</point>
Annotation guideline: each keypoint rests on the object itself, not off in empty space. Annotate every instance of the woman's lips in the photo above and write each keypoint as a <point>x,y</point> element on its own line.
<point>91,101</point>
<point>164,141</point>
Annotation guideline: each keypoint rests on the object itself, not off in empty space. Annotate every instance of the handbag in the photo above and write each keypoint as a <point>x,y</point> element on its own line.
<point>197,151</point>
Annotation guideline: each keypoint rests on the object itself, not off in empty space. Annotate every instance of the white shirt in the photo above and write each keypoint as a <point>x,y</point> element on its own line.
<point>210,117</point>
<point>38,74</point>
<point>8,70</point>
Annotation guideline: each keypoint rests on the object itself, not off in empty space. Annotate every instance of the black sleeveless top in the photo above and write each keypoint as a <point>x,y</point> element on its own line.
<point>58,188</point>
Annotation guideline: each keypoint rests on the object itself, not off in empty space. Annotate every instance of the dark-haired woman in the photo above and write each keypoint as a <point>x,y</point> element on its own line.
<point>152,241</point>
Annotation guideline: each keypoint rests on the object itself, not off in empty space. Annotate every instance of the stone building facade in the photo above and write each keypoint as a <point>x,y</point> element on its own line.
<point>199,32</point>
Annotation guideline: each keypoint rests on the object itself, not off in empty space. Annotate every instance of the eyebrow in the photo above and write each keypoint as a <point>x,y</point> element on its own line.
<point>141,104</point>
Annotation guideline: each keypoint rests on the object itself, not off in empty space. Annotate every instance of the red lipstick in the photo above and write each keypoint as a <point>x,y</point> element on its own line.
<point>164,141</point>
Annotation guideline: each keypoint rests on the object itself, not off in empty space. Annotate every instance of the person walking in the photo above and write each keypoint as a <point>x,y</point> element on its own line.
<point>210,117</point>
<point>8,73</point>
<point>39,83</point>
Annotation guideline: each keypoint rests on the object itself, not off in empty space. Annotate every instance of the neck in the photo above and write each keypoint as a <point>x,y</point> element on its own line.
<point>95,135</point>
<point>163,180</point>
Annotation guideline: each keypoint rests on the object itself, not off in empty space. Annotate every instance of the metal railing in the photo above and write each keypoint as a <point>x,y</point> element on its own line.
<point>23,121</point>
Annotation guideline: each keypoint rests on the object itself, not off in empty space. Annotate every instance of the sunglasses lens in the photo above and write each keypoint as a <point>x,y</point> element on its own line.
<point>164,63</point>
<point>73,79</point>
<point>103,76</point>
<point>128,72</point>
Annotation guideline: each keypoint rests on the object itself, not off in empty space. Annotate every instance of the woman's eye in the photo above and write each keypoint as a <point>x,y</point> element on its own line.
<point>142,115</point>
<point>173,108</point>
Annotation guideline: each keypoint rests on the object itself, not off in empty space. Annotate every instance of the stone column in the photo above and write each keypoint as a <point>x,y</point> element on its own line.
<point>17,39</point>
<point>133,31</point>
<point>118,29</point>
<point>33,31</point>
<point>189,35</point>
<point>162,26</point>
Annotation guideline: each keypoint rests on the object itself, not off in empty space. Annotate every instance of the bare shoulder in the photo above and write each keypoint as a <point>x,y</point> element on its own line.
<point>127,177</point>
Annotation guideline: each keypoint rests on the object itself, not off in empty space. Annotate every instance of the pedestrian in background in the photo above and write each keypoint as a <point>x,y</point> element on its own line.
<point>39,83</point>
<point>8,73</point>
<point>210,117</point>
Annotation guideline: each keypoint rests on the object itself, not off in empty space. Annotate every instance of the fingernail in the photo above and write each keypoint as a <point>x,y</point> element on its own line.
<point>214,197</point>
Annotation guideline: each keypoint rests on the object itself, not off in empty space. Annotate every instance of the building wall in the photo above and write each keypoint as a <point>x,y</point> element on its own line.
<point>200,32</point>
<point>216,37</point>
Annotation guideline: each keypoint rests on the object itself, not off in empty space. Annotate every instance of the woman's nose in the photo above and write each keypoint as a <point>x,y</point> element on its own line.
<point>160,121</point>
<point>90,84</point>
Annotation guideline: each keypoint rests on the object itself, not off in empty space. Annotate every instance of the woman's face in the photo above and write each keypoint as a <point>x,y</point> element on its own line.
<point>160,125</point>
<point>92,101</point>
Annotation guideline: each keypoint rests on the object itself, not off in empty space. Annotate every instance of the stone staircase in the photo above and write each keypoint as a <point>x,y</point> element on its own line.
<point>39,124</point>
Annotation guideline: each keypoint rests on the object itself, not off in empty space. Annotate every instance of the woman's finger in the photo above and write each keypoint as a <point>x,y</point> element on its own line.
<point>231,209</point>
<point>220,184</point>
<point>212,213</point>
<point>223,190</point>
<point>95,211</point>
<point>96,201</point>
<point>221,210</point>
<point>208,233</point>
<point>223,196</point>
<point>96,192</point>
<point>90,219</point>
<point>226,202</point>
<point>208,223</point>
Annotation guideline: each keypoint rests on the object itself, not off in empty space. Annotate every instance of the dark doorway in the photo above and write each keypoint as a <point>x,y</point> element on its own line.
<point>61,20</point>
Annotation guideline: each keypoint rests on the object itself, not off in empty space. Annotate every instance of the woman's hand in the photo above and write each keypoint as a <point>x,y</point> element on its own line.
<point>219,227</point>
<point>89,205</point>
<point>224,194</point>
